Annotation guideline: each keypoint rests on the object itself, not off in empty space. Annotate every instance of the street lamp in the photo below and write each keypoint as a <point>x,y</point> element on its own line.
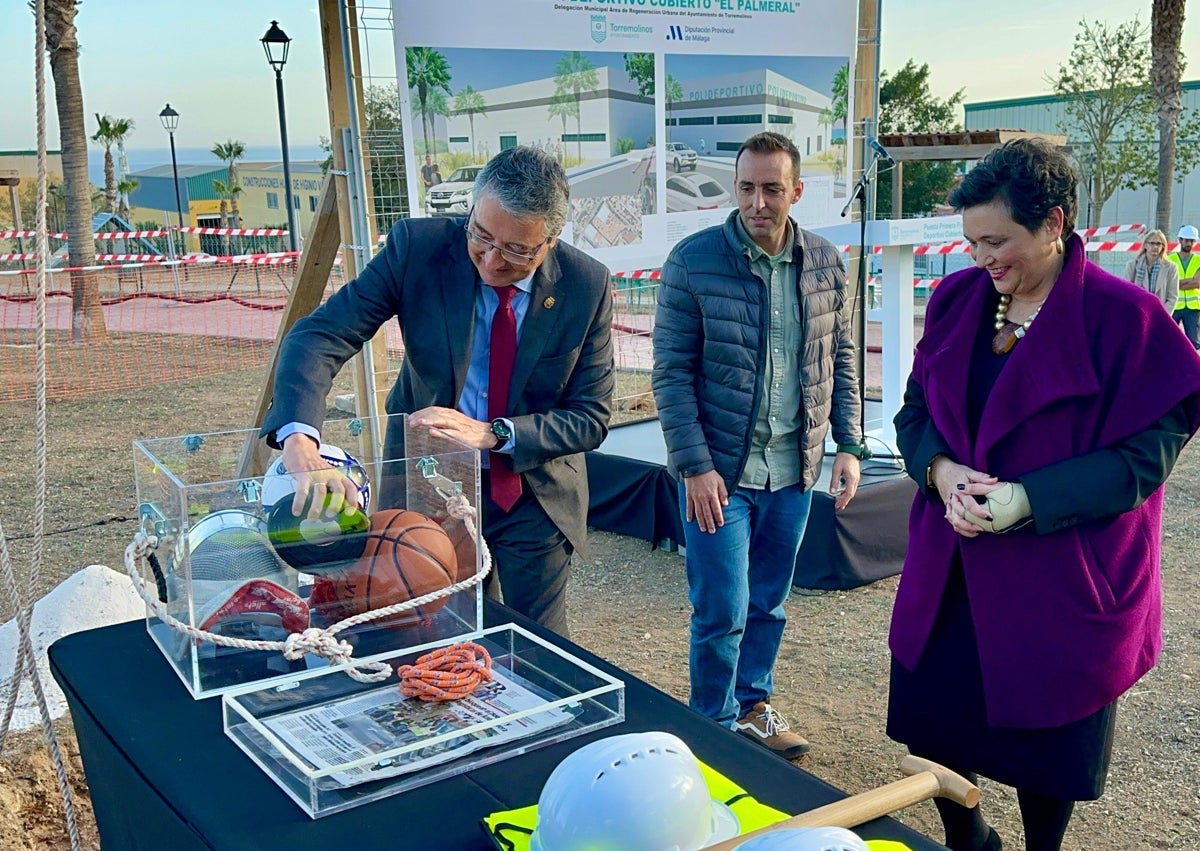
<point>275,43</point>
<point>170,120</point>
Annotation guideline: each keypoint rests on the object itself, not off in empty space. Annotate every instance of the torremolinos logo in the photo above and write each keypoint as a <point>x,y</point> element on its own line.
<point>674,33</point>
<point>599,28</point>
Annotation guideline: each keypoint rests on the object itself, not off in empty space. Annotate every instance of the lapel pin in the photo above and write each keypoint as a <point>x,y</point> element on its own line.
<point>548,302</point>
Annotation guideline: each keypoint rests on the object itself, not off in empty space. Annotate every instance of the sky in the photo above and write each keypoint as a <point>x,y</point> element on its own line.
<point>138,55</point>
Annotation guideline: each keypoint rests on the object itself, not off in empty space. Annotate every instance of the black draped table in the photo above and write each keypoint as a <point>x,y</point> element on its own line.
<point>163,775</point>
<point>862,543</point>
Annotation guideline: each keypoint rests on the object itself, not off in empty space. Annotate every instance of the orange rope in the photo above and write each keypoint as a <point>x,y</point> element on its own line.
<point>448,673</point>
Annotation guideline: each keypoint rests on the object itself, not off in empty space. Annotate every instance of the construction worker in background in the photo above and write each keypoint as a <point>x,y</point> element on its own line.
<point>1187,306</point>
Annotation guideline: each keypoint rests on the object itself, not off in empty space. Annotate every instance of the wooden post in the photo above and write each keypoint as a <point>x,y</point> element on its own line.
<point>866,64</point>
<point>339,118</point>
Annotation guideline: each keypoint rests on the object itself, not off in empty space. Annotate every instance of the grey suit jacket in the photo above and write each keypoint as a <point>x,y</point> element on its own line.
<point>562,384</point>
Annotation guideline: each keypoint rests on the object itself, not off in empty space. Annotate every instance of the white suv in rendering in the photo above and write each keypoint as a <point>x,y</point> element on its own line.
<point>680,156</point>
<point>453,196</point>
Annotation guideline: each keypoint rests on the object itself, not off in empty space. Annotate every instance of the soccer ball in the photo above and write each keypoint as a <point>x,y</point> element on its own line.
<point>278,483</point>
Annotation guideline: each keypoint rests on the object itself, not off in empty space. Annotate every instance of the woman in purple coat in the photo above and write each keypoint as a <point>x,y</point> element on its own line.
<point>1047,405</point>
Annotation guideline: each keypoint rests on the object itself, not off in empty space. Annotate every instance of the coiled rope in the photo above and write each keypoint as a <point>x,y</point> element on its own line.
<point>448,673</point>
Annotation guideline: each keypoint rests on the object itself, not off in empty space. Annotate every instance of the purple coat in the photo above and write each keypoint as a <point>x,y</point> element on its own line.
<point>1065,621</point>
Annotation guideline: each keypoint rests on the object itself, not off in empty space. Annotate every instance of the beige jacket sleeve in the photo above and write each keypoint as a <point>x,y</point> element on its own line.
<point>1167,287</point>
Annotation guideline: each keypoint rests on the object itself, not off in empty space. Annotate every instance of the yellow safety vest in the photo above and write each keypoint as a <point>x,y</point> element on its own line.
<point>510,829</point>
<point>1188,299</point>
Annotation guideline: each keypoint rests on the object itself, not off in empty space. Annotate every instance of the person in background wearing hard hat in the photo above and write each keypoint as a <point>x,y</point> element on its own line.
<point>1187,306</point>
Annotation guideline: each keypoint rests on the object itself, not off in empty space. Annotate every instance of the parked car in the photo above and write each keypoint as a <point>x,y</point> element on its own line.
<point>695,192</point>
<point>452,197</point>
<point>680,156</point>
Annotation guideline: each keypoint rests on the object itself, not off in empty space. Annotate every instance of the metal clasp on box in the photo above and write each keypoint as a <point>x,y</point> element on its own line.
<point>149,514</point>
<point>446,488</point>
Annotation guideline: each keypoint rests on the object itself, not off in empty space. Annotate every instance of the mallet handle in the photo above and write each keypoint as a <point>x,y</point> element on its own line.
<point>857,809</point>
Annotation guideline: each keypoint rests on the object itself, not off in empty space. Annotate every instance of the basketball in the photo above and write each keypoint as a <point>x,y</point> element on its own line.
<point>465,550</point>
<point>407,555</point>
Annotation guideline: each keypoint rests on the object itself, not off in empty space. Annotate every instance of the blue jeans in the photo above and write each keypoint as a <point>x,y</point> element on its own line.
<point>1190,319</point>
<point>738,579</point>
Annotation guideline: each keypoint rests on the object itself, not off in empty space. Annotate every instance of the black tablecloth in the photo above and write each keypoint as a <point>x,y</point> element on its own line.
<point>862,543</point>
<point>163,775</point>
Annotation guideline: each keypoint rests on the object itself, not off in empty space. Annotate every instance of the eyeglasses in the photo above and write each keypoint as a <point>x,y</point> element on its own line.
<point>513,258</point>
<point>1158,244</point>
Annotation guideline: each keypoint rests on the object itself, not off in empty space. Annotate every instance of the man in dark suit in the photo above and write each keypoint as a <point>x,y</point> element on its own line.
<point>453,284</point>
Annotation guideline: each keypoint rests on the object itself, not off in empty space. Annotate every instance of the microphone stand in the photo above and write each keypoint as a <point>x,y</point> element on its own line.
<point>860,194</point>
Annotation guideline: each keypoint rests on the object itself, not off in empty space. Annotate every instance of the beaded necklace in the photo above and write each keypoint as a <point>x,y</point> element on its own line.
<point>1007,333</point>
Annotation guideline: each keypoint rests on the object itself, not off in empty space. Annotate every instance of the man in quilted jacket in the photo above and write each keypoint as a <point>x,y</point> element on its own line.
<point>753,362</point>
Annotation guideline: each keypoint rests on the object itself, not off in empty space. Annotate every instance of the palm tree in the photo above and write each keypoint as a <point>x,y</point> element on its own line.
<point>1166,66</point>
<point>229,153</point>
<point>228,193</point>
<point>62,43</point>
<point>427,70</point>
<point>672,94</point>
<point>563,106</point>
<point>470,103</point>
<point>124,187</point>
<point>576,74</point>
<point>437,105</point>
<point>110,131</point>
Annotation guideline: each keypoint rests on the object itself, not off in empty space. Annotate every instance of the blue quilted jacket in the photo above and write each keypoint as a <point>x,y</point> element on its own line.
<point>710,337</point>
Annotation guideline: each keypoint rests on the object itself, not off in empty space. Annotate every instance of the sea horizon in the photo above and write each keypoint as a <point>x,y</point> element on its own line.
<point>140,159</point>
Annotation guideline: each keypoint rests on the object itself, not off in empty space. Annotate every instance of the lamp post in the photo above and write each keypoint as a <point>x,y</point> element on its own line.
<point>275,43</point>
<point>170,121</point>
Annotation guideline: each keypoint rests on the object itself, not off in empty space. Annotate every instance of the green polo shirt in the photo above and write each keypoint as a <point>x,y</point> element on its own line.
<point>774,461</point>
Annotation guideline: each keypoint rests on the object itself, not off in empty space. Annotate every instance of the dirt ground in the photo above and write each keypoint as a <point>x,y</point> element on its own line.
<point>629,604</point>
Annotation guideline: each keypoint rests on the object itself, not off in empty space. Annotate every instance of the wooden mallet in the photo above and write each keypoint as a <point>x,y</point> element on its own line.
<point>924,780</point>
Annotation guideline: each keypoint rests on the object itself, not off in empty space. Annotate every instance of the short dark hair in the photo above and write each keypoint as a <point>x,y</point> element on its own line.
<point>529,184</point>
<point>769,143</point>
<point>1030,177</point>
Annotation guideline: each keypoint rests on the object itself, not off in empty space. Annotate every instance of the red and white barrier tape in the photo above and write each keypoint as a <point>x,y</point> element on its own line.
<point>1105,230</point>
<point>129,234</point>
<point>28,234</point>
<point>235,231</point>
<point>276,259</point>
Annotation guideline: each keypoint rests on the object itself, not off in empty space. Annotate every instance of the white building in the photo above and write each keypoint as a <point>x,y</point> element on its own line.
<point>525,114</point>
<point>717,114</point>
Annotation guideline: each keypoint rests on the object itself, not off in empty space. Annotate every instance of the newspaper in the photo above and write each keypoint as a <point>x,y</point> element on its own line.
<point>344,731</point>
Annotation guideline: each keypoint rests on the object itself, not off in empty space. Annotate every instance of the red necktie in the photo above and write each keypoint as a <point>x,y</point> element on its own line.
<point>506,485</point>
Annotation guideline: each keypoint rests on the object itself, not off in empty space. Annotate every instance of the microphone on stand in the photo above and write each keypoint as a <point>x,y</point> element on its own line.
<point>880,150</point>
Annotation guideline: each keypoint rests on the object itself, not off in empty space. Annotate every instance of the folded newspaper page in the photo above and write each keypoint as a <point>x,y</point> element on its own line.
<point>346,731</point>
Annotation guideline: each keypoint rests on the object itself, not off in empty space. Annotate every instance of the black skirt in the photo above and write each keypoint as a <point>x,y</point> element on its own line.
<point>938,711</point>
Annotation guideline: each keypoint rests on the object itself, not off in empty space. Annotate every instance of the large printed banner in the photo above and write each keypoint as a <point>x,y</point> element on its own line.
<point>644,102</point>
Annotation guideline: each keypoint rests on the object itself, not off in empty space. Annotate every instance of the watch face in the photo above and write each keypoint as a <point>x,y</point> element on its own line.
<point>501,430</point>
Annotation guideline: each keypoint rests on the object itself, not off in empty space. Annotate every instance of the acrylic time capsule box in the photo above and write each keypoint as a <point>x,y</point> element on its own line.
<point>332,743</point>
<point>233,560</point>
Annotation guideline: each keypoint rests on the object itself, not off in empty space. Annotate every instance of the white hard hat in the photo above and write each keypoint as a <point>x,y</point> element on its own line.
<point>805,839</point>
<point>640,791</point>
<point>1188,232</point>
